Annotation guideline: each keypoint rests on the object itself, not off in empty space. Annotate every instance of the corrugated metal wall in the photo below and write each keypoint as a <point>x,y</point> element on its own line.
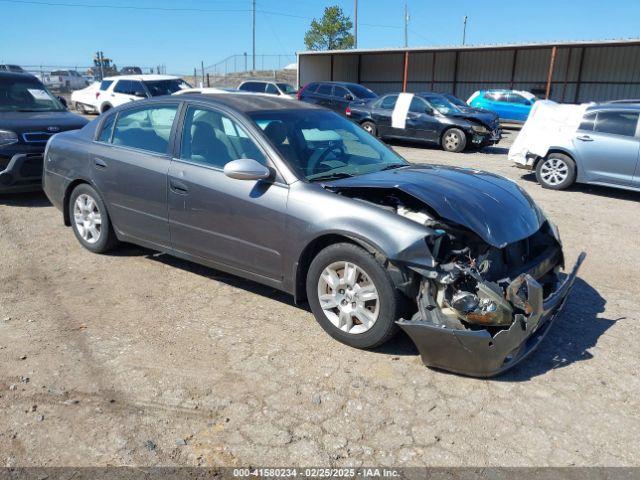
<point>581,73</point>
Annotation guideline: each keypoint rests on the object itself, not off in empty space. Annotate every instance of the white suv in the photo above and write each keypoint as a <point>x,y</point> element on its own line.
<point>270,88</point>
<point>116,91</point>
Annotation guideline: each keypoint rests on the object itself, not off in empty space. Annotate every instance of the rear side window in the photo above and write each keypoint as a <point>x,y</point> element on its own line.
<point>340,92</point>
<point>107,129</point>
<point>588,121</point>
<point>417,105</point>
<point>311,88</point>
<point>252,87</point>
<point>145,128</point>
<point>389,102</point>
<point>324,89</point>
<point>516,98</point>
<point>105,84</point>
<point>617,123</point>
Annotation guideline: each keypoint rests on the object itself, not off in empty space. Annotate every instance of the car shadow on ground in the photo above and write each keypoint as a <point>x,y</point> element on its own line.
<point>432,146</point>
<point>601,191</point>
<point>30,199</point>
<point>576,330</point>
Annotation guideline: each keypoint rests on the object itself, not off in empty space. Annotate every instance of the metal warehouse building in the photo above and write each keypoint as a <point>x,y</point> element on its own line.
<point>572,72</point>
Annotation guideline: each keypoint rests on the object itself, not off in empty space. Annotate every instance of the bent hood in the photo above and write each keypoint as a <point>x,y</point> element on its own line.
<point>487,118</point>
<point>494,208</point>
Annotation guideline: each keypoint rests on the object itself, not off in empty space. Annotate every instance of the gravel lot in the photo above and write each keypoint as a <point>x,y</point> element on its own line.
<point>136,358</point>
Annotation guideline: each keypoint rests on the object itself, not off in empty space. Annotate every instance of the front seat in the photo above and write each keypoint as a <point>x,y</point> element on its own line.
<point>277,133</point>
<point>205,146</point>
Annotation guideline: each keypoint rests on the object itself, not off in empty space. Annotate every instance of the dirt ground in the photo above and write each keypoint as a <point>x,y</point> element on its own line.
<point>135,358</point>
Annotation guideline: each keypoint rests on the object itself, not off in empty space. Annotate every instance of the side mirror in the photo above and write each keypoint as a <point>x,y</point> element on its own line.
<point>63,101</point>
<point>349,97</point>
<point>428,110</point>
<point>246,169</point>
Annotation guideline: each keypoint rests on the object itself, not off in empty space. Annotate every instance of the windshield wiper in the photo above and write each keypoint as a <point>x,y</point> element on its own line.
<point>393,166</point>
<point>331,176</point>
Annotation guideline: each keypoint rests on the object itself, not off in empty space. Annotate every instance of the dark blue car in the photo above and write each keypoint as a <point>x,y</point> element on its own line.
<point>335,95</point>
<point>431,117</point>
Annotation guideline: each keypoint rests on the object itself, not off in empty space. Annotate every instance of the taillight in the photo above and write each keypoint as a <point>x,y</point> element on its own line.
<point>97,95</point>
<point>299,94</point>
<point>347,112</point>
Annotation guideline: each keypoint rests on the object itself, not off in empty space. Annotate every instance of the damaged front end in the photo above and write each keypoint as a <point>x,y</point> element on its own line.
<point>482,307</point>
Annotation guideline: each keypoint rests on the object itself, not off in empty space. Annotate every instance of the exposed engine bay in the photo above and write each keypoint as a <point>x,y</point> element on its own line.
<point>475,287</point>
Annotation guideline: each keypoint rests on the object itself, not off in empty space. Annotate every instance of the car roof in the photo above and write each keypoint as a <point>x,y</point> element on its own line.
<point>142,77</point>
<point>249,102</point>
<point>17,75</point>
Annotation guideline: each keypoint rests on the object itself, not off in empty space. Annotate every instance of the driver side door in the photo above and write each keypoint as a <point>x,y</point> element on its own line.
<point>236,224</point>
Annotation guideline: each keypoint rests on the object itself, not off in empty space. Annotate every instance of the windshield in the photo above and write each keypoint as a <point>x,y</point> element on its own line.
<point>442,105</point>
<point>165,87</point>
<point>455,100</point>
<point>286,88</point>
<point>362,92</point>
<point>20,95</point>
<point>320,145</point>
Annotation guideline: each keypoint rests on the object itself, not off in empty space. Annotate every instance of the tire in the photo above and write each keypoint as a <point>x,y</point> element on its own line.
<point>556,171</point>
<point>453,140</point>
<point>86,207</point>
<point>382,313</point>
<point>369,127</point>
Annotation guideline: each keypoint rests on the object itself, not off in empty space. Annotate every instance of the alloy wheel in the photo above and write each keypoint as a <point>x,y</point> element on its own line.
<point>348,297</point>
<point>554,171</point>
<point>87,218</point>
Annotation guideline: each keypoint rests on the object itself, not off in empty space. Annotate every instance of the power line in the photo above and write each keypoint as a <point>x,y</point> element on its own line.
<point>126,7</point>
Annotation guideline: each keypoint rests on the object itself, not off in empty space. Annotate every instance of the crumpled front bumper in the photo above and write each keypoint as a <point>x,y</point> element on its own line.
<point>22,173</point>
<point>479,354</point>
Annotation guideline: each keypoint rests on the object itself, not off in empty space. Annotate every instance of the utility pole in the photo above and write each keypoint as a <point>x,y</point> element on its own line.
<point>464,31</point>
<point>253,17</point>
<point>355,24</point>
<point>202,69</point>
<point>406,24</point>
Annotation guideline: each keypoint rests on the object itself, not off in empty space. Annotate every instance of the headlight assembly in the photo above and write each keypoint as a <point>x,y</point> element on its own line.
<point>479,129</point>
<point>8,137</point>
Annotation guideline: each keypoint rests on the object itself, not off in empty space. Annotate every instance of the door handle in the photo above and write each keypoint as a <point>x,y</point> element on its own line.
<point>585,138</point>
<point>98,162</point>
<point>178,187</point>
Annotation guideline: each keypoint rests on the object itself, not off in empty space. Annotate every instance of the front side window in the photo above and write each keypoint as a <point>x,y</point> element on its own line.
<point>213,139</point>
<point>165,87</point>
<point>340,92</point>
<point>617,123</point>
<point>286,88</point>
<point>271,88</point>
<point>24,95</point>
<point>418,105</point>
<point>588,121</point>
<point>123,86</point>
<point>320,145</point>
<point>517,98</point>
<point>146,128</point>
<point>252,87</point>
<point>362,92</point>
<point>389,102</point>
<point>442,105</point>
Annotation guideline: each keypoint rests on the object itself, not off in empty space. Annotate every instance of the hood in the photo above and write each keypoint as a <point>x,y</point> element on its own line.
<point>487,118</point>
<point>50,122</point>
<point>494,208</point>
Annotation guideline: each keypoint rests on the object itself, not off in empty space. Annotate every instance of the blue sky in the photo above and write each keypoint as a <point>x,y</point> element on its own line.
<point>46,32</point>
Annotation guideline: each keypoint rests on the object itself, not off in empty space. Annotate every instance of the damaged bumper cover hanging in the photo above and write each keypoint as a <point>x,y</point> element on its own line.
<point>478,352</point>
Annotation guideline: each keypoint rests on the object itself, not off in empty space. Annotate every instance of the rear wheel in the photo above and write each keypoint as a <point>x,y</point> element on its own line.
<point>90,221</point>
<point>105,108</point>
<point>454,140</point>
<point>352,296</point>
<point>369,127</point>
<point>557,171</point>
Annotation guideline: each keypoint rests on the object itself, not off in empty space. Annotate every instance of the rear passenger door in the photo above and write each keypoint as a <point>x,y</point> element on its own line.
<point>381,113</point>
<point>324,94</point>
<point>341,99</point>
<point>129,161</point>
<point>608,146</point>
<point>236,224</point>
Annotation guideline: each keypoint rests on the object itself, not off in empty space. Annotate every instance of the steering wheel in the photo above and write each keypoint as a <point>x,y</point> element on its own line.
<point>319,155</point>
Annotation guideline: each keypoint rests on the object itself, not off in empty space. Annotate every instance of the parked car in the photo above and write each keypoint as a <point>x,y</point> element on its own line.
<point>11,68</point>
<point>465,257</point>
<point>131,71</point>
<point>84,101</point>
<point>116,91</point>
<point>29,116</point>
<point>64,79</point>
<point>206,90</point>
<point>510,105</point>
<point>335,95</point>
<point>591,143</point>
<point>270,88</point>
<point>426,117</point>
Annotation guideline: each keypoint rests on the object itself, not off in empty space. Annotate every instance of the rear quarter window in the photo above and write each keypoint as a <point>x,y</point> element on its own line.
<point>105,84</point>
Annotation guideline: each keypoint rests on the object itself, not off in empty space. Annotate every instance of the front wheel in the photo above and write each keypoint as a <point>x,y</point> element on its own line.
<point>556,172</point>
<point>369,127</point>
<point>90,221</point>
<point>454,140</point>
<point>352,296</point>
